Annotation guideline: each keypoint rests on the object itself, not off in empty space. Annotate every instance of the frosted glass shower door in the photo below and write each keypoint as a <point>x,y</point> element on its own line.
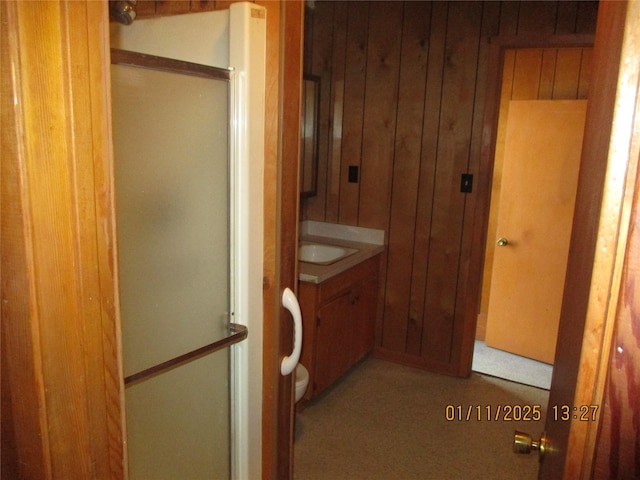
<point>171,132</point>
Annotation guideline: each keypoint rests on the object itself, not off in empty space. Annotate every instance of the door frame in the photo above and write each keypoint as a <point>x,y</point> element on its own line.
<point>285,25</point>
<point>499,45</point>
<point>62,414</point>
<point>611,156</point>
<point>595,304</point>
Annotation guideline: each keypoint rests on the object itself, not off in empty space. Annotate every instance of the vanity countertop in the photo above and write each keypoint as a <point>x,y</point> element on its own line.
<point>313,273</point>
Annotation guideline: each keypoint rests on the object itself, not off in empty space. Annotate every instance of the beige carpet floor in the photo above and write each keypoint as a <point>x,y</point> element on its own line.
<point>387,421</point>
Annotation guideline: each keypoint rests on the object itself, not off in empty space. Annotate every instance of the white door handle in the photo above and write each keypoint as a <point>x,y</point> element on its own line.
<point>290,302</point>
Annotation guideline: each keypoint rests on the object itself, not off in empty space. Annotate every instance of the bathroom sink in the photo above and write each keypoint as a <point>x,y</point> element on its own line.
<point>322,254</point>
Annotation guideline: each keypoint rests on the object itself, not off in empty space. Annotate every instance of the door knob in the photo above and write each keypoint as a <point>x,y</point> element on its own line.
<point>502,242</point>
<point>523,443</point>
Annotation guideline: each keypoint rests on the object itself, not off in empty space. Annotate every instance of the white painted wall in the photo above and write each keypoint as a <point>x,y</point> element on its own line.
<point>233,38</point>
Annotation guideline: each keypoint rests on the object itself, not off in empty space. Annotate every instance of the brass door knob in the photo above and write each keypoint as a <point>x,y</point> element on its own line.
<point>503,242</point>
<point>523,443</point>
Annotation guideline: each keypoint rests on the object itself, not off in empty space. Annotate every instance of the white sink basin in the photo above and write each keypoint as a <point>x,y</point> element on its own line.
<point>322,254</point>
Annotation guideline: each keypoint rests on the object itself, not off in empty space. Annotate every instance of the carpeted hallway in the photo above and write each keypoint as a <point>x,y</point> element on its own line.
<point>388,421</point>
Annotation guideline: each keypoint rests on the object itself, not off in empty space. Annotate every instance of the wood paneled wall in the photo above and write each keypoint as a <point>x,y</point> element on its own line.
<point>158,8</point>
<point>402,98</point>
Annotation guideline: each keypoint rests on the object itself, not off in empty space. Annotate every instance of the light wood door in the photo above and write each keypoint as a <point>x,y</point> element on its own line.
<point>541,163</point>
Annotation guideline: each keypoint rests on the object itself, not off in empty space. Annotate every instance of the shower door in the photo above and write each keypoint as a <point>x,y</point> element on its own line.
<point>172,177</point>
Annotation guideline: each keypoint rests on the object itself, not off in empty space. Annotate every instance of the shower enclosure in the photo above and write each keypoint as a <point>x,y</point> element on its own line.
<point>191,165</point>
<point>172,175</point>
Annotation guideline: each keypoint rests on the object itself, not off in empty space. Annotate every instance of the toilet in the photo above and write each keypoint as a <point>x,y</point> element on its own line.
<point>302,380</point>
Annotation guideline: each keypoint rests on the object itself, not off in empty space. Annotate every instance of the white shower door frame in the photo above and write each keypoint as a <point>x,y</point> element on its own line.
<point>150,359</point>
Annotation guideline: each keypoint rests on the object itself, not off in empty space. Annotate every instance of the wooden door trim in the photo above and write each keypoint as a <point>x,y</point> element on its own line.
<point>60,320</point>
<point>619,191</point>
<point>282,143</point>
<point>499,45</point>
<point>289,196</point>
<point>270,261</point>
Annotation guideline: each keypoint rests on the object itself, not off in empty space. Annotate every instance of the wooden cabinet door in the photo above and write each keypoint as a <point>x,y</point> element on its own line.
<point>366,304</point>
<point>333,341</point>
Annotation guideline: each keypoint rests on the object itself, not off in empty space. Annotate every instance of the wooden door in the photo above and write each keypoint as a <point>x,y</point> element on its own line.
<point>541,163</point>
<point>593,298</point>
<point>281,197</point>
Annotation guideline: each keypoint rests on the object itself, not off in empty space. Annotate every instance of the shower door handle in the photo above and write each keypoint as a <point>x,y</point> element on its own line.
<point>290,302</point>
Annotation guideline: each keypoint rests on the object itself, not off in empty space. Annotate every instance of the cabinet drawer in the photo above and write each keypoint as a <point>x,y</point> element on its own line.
<point>342,283</point>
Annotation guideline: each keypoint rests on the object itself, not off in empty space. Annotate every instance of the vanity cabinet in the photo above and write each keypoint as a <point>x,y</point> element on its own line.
<point>338,317</point>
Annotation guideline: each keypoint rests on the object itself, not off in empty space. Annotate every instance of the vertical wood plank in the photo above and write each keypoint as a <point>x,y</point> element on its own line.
<point>463,33</point>
<point>537,17</point>
<point>56,303</point>
<point>24,422</point>
<point>99,68</point>
<point>567,17</point>
<point>426,186</point>
<point>526,81</point>
<point>383,62</point>
<point>463,332</point>
<point>547,73</point>
<point>342,19</point>
<point>509,13</point>
<point>352,119</point>
<point>406,169</point>
<point>82,143</point>
<point>587,17</point>
<point>567,75</point>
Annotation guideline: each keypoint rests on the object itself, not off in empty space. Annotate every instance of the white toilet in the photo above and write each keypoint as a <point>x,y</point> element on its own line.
<point>302,380</point>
